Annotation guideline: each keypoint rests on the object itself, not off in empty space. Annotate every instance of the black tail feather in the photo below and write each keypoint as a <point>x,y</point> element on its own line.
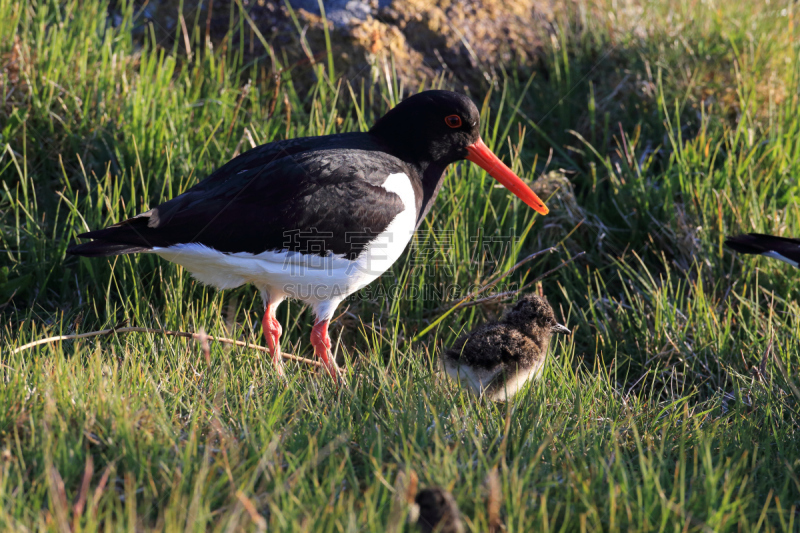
<point>759,243</point>
<point>127,237</point>
<point>104,248</point>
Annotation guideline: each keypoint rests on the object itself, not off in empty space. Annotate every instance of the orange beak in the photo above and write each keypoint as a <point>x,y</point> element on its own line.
<point>480,154</point>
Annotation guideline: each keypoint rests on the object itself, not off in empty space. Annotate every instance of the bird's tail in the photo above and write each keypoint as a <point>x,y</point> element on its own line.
<point>127,237</point>
<point>104,248</point>
<point>785,249</point>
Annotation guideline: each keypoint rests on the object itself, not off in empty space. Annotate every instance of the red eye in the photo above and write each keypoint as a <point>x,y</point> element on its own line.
<point>454,121</point>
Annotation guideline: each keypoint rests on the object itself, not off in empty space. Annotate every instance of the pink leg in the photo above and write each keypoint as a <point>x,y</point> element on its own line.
<point>272,332</point>
<point>322,349</point>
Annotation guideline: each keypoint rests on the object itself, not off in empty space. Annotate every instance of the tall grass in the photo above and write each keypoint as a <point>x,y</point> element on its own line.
<point>673,406</point>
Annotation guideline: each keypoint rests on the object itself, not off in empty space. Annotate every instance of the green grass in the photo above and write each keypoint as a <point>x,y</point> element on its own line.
<point>673,406</point>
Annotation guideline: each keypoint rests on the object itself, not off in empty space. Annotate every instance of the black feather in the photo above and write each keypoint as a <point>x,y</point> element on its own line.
<point>759,244</point>
<point>103,249</point>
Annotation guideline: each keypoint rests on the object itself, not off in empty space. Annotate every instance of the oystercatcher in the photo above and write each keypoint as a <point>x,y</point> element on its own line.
<point>314,218</point>
<point>784,249</point>
<point>498,358</point>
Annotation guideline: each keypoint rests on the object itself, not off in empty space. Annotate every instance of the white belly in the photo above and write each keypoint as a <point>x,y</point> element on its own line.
<point>482,381</point>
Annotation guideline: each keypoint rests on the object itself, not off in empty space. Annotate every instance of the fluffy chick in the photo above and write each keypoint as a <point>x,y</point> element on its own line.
<point>498,358</point>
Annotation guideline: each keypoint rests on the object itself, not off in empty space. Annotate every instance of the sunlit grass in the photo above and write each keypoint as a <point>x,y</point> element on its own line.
<point>673,406</point>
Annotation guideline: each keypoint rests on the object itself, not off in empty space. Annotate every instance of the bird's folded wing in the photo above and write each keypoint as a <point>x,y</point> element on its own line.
<point>325,201</point>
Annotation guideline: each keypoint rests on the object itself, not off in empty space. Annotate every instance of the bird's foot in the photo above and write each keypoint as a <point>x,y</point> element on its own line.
<point>272,333</point>
<point>322,349</point>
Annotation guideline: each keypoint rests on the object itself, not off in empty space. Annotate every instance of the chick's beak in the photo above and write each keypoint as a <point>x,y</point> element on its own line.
<point>558,328</point>
<point>480,154</point>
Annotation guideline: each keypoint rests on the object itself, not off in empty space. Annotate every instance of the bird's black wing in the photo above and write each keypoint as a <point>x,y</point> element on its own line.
<point>285,197</point>
<point>784,248</point>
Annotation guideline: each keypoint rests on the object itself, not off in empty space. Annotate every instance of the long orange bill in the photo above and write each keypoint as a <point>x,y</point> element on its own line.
<point>480,154</point>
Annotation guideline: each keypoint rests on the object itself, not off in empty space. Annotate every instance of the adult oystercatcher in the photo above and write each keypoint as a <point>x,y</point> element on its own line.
<point>314,218</point>
<point>785,249</point>
<point>498,358</point>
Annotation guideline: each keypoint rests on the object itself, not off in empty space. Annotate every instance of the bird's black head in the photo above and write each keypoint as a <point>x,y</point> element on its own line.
<point>431,126</point>
<point>435,128</point>
<point>534,317</point>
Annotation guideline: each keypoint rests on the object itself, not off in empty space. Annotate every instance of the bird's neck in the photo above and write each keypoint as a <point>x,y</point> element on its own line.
<point>432,177</point>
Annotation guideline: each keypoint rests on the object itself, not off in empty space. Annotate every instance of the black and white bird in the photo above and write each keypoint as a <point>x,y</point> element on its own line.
<point>435,509</point>
<point>784,249</point>
<point>314,218</point>
<point>496,359</point>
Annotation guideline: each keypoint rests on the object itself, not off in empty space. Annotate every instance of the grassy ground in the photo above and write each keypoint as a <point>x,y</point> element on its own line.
<point>656,127</point>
